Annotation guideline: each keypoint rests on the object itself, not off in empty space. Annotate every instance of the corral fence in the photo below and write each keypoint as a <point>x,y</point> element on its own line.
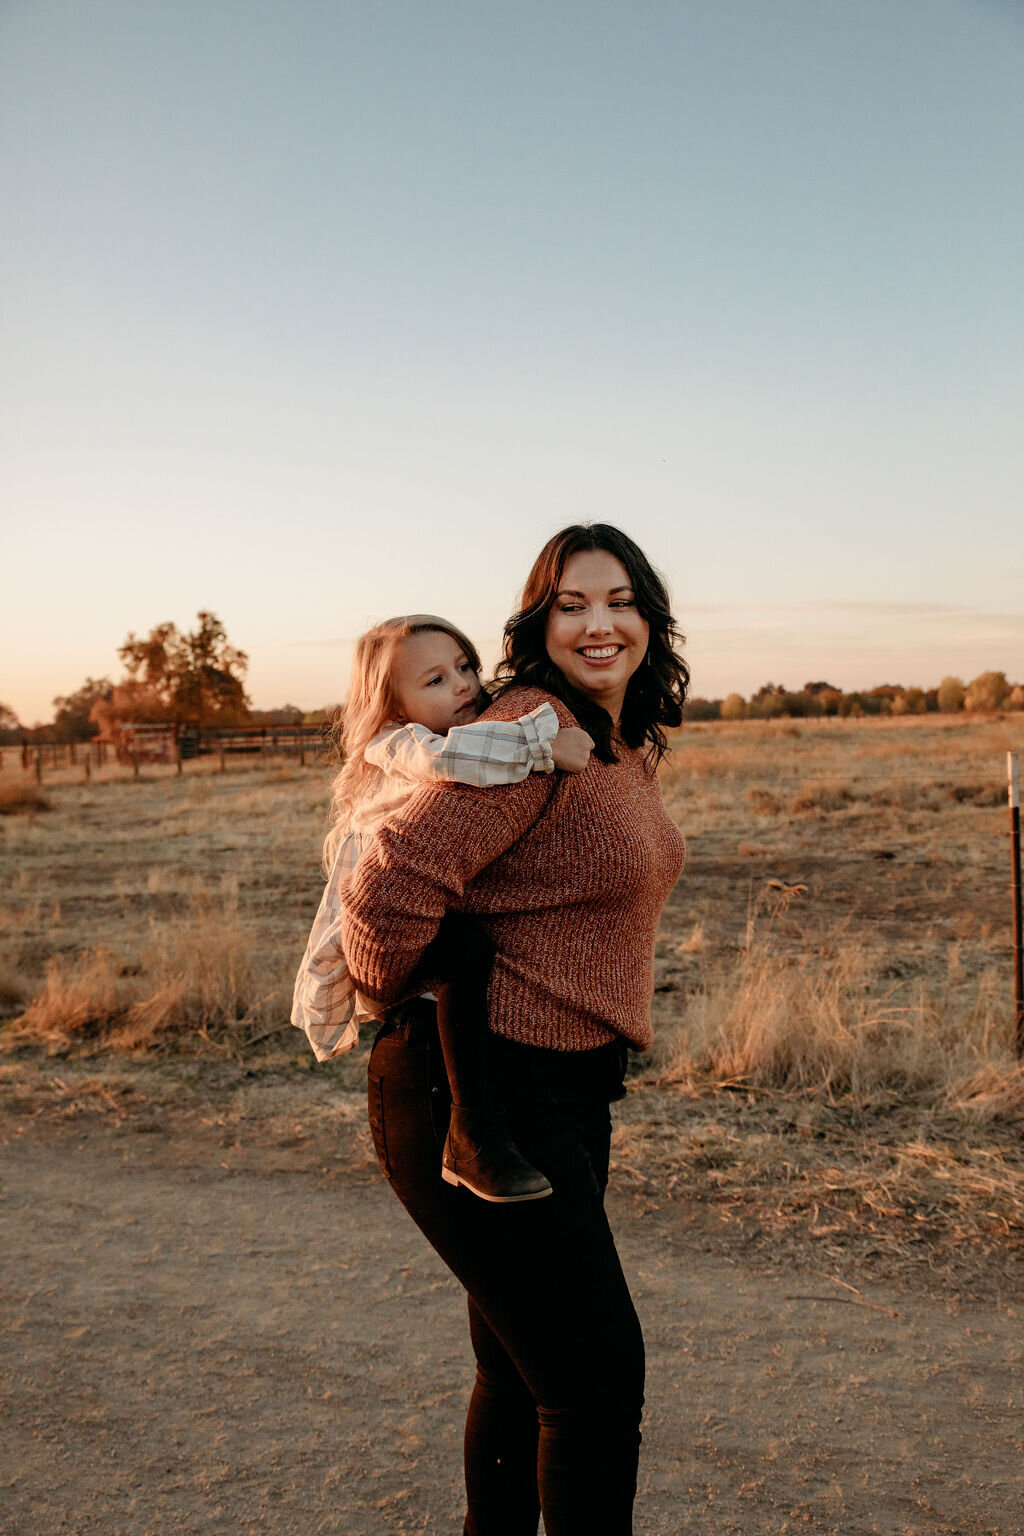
<point>134,746</point>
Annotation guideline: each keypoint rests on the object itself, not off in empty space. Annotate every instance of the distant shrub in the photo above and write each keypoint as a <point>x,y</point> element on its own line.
<point>802,705</point>
<point>767,703</point>
<point>987,691</point>
<point>702,709</point>
<point>829,700</point>
<point>912,701</point>
<point>734,707</point>
<point>1015,698</point>
<point>951,695</point>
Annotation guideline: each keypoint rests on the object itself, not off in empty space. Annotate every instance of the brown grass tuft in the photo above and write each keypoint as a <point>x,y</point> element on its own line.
<point>81,997</point>
<point>198,977</point>
<point>763,801</point>
<point>19,798</point>
<point>834,795</point>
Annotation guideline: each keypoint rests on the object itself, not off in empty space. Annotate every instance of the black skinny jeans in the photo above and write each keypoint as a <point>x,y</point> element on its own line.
<point>554,1420</point>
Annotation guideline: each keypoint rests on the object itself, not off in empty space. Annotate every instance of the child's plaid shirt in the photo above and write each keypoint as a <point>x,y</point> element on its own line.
<point>325,1003</point>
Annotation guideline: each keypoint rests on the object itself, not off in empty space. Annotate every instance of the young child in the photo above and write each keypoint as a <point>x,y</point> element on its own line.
<point>411,719</point>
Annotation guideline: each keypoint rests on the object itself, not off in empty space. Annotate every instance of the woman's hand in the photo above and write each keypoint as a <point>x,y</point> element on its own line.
<point>571,749</point>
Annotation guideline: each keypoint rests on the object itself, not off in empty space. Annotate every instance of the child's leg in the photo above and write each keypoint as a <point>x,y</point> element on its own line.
<point>478,1152</point>
<point>464,955</point>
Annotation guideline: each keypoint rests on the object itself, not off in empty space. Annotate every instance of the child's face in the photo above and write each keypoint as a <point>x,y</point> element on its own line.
<point>434,683</point>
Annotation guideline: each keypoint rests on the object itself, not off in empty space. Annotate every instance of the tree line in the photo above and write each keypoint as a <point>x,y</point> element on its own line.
<point>197,677</point>
<point>987,692</point>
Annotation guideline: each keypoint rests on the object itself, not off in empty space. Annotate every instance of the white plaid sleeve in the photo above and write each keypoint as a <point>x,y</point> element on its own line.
<point>484,753</point>
<point>325,1003</point>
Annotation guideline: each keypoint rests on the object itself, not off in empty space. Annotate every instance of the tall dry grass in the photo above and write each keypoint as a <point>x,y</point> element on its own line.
<point>199,978</point>
<point>834,1028</point>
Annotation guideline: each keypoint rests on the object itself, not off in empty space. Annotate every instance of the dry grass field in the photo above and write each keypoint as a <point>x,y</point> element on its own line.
<point>834,1069</point>
<point>834,1062</point>
<point>818,1187</point>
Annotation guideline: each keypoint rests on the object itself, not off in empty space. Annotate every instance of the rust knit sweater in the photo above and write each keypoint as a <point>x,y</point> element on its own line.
<point>568,872</point>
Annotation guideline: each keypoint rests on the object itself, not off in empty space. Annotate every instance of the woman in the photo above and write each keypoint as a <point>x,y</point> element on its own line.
<point>569,875</point>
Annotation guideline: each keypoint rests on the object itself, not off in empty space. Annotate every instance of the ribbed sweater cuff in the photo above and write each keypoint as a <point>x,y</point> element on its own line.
<point>381,975</point>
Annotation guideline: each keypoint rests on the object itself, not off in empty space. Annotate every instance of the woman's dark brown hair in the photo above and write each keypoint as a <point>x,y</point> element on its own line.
<point>656,691</point>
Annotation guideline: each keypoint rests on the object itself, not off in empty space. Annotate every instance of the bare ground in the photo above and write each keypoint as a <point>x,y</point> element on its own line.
<point>217,1322</point>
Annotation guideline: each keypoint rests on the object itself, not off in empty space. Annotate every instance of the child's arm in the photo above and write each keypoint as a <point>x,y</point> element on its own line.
<point>325,1003</point>
<point>484,753</point>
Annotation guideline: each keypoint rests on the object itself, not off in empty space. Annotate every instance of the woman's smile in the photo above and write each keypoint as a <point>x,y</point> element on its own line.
<point>600,654</point>
<point>596,636</point>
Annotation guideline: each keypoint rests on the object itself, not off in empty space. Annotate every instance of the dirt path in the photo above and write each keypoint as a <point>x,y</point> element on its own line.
<point>194,1348</point>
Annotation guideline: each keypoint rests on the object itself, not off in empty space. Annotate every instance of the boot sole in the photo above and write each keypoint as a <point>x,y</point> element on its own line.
<point>454,1179</point>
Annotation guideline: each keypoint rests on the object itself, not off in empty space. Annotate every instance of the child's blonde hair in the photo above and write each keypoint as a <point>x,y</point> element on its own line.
<point>371,705</point>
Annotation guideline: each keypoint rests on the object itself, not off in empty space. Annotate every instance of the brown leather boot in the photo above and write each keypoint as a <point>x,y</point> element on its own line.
<point>480,1155</point>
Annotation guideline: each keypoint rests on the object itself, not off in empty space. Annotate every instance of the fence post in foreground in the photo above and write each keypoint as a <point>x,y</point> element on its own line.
<point>1018,957</point>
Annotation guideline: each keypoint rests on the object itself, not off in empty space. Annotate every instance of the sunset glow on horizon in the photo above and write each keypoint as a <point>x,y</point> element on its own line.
<point>315,315</point>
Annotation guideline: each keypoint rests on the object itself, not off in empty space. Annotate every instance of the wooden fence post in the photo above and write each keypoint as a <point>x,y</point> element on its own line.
<point>39,765</point>
<point>1018,952</point>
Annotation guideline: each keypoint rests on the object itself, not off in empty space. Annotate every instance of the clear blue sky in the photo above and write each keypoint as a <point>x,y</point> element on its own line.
<point>315,312</point>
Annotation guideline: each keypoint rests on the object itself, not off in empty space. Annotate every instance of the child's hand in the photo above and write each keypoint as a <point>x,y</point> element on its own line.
<point>571,749</point>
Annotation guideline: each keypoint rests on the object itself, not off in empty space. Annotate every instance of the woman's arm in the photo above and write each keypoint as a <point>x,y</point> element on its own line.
<point>485,752</point>
<point>419,865</point>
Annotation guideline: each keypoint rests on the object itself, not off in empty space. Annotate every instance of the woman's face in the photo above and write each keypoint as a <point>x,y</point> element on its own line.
<point>595,636</point>
<point>434,682</point>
